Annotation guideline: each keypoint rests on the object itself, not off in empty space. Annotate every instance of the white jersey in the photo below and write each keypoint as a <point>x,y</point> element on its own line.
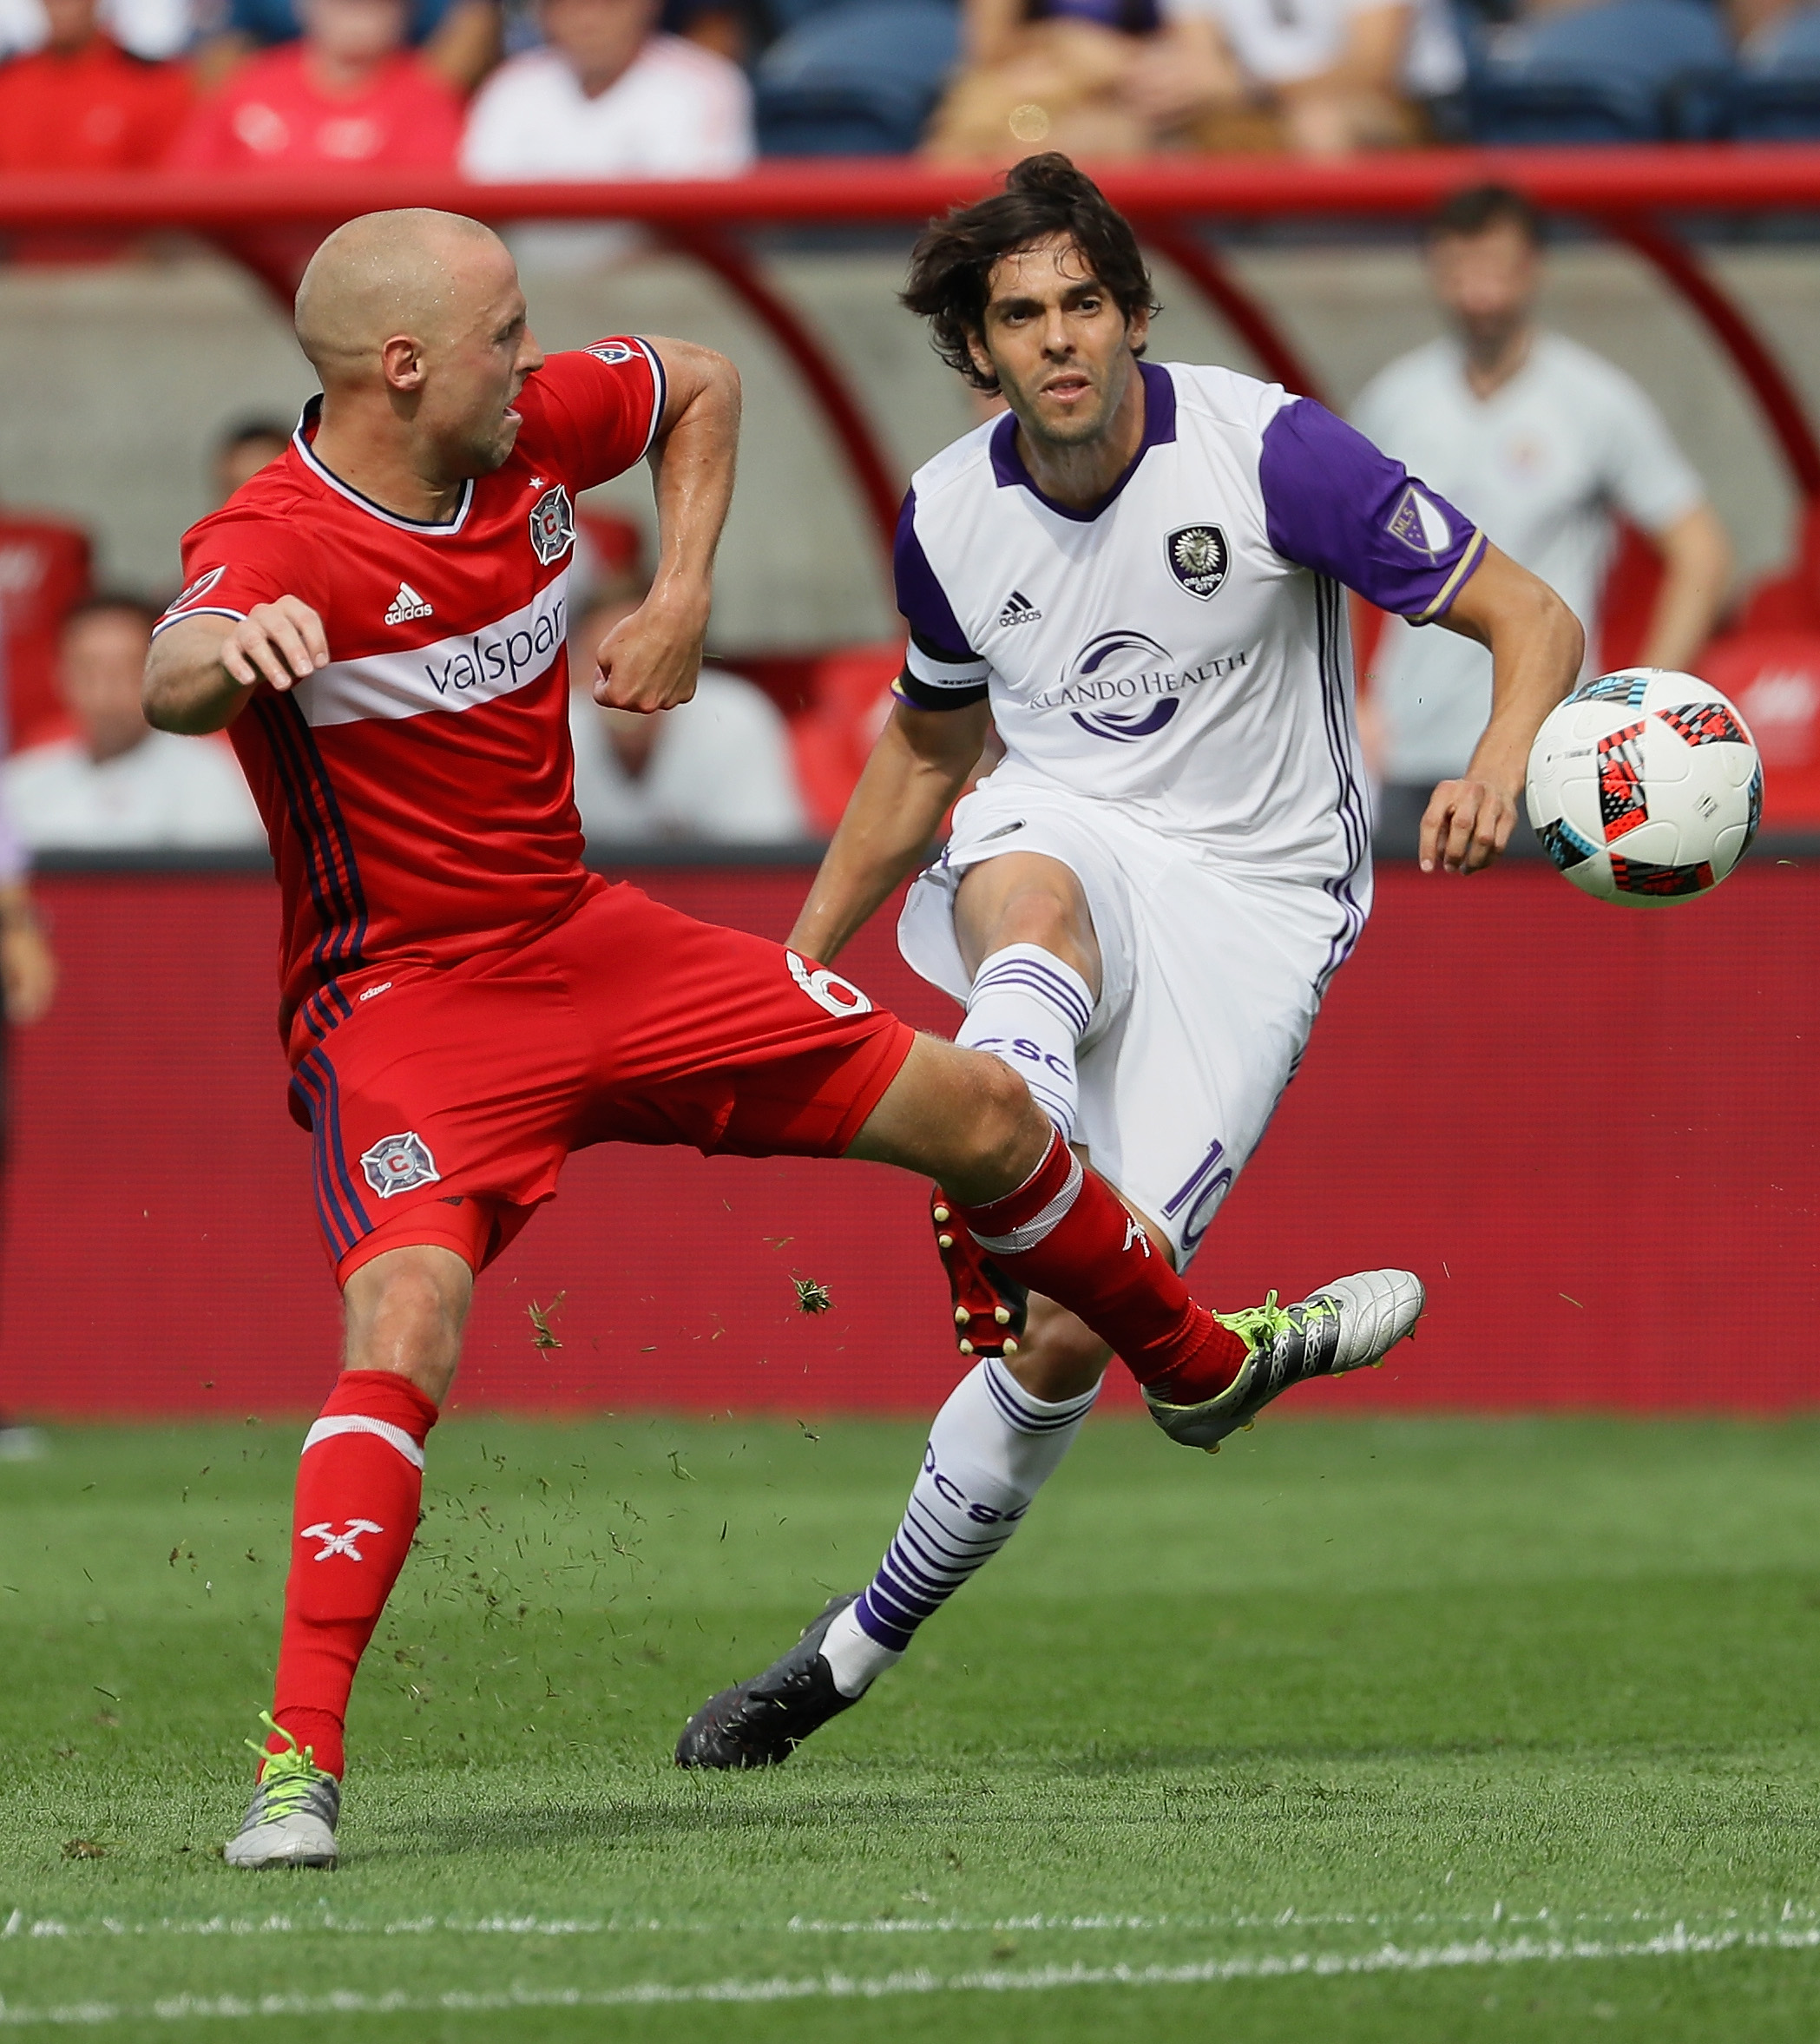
<point>1182,649</point>
<point>1542,463</point>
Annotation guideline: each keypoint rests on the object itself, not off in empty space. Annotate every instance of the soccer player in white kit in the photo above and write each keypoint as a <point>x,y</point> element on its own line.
<point>1137,575</point>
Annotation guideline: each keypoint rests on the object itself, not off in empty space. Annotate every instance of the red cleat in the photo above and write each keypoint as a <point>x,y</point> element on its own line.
<point>989,1308</point>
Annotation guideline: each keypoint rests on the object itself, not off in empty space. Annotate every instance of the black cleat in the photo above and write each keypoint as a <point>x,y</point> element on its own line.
<point>762,1721</point>
<point>989,1308</point>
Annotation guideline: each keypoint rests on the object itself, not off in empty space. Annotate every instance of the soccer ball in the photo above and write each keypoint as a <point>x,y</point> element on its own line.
<point>1645,787</point>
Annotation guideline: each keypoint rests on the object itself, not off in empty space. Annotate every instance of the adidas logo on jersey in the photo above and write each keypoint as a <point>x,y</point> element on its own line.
<point>406,605</point>
<point>1018,610</point>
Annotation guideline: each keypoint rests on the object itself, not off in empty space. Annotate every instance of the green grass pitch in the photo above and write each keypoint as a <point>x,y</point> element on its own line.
<point>1406,1729</point>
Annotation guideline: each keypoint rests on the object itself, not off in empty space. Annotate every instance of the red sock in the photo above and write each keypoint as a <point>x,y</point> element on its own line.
<point>1065,1232</point>
<point>358,1486</point>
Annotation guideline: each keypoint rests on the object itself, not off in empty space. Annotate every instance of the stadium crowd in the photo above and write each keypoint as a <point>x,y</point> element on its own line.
<point>597,89</point>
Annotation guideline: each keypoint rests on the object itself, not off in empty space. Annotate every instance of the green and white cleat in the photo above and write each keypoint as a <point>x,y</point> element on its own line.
<point>1345,1325</point>
<point>291,1820</point>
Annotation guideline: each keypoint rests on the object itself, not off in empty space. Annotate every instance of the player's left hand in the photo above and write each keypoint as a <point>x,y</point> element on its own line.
<point>1466,826</point>
<point>649,661</point>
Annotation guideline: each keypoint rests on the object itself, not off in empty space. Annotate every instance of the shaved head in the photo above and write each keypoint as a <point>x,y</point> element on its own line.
<point>414,273</point>
<point>414,322</point>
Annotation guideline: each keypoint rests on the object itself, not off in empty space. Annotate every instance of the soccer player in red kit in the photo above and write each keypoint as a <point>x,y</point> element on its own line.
<point>380,618</point>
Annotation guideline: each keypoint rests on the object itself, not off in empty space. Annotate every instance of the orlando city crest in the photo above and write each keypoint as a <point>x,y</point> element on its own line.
<point>1199,558</point>
<point>553,525</point>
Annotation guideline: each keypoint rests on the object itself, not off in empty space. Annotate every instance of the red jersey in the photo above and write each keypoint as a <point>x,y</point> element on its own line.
<point>271,114</point>
<point>43,571</point>
<point>94,108</point>
<point>418,789</point>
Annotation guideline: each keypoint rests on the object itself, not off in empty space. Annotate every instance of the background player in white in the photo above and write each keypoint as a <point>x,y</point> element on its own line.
<point>1136,574</point>
<point>1543,442</point>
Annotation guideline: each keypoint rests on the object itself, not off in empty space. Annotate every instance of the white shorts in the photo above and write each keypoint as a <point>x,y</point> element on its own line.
<point>1210,982</point>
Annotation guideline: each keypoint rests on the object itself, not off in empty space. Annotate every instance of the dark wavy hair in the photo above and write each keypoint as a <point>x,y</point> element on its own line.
<point>951,271</point>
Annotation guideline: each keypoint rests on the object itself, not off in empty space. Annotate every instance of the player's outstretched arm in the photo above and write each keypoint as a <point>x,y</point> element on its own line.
<point>649,661</point>
<point>918,767</point>
<point>1536,647</point>
<point>202,670</point>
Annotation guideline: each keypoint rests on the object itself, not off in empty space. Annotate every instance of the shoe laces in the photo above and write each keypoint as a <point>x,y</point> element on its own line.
<point>1258,1327</point>
<point>289,1778</point>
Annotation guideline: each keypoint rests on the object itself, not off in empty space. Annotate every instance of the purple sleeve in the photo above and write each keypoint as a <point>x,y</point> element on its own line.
<point>941,671</point>
<point>1333,502</point>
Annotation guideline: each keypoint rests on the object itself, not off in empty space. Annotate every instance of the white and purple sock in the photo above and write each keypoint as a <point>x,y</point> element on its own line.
<point>1031,1010</point>
<point>990,1451</point>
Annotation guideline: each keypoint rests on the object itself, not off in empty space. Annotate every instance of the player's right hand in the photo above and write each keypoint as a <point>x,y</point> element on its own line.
<point>282,642</point>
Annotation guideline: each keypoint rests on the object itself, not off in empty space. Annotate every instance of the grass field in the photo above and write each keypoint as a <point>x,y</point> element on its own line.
<point>1408,1731</point>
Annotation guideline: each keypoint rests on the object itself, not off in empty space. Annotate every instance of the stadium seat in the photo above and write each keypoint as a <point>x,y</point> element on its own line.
<point>1789,601</point>
<point>1627,600</point>
<point>1774,678</point>
<point>1602,74</point>
<point>859,79</point>
<point>1774,94</point>
<point>850,698</point>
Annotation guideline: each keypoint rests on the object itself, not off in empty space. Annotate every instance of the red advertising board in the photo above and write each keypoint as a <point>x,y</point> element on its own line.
<point>1591,1130</point>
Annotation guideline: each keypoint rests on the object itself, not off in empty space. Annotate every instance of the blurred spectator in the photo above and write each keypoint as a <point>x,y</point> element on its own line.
<point>1049,75</point>
<point>1540,440</point>
<point>348,93</point>
<point>80,102</point>
<point>458,39</point>
<point>1319,77</point>
<point>119,785</point>
<point>608,97</point>
<point>246,448</point>
<point>154,30</point>
<point>716,769</point>
<point>28,967</point>
<point>28,984</point>
<point>43,572</point>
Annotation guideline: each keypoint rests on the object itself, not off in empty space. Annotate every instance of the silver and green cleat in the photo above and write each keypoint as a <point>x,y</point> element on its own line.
<point>1345,1325</point>
<point>291,1820</point>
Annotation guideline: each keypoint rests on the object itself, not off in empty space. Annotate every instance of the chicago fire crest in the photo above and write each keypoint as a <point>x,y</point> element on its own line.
<point>553,525</point>
<point>395,1163</point>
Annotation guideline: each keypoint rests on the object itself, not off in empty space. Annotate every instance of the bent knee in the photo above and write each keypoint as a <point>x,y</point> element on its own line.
<point>1007,1131</point>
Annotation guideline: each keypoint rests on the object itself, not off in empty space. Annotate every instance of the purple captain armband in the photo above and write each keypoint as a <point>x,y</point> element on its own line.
<point>1336,503</point>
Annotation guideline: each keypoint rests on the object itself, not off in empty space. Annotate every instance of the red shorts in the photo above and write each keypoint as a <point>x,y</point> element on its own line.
<point>444,1107</point>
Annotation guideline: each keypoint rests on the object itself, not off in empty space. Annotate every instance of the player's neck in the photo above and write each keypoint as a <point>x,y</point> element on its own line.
<point>367,456</point>
<point>1491,362</point>
<point>1080,474</point>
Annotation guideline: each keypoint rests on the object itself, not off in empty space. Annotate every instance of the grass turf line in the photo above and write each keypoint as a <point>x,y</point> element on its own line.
<point>1511,1691</point>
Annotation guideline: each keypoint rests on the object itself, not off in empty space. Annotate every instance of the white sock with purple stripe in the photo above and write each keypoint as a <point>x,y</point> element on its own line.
<point>1031,1009</point>
<point>991,1449</point>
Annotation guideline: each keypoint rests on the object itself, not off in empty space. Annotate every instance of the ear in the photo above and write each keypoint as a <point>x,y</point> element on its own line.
<point>982,361</point>
<point>401,363</point>
<point>1137,329</point>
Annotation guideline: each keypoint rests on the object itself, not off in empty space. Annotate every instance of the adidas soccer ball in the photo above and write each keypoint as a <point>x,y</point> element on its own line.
<point>1644,786</point>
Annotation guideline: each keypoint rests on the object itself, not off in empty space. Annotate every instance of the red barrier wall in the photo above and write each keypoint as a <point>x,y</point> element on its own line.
<point>1591,1130</point>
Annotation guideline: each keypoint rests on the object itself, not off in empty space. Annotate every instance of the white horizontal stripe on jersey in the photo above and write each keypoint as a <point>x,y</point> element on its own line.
<point>934,673</point>
<point>453,673</point>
